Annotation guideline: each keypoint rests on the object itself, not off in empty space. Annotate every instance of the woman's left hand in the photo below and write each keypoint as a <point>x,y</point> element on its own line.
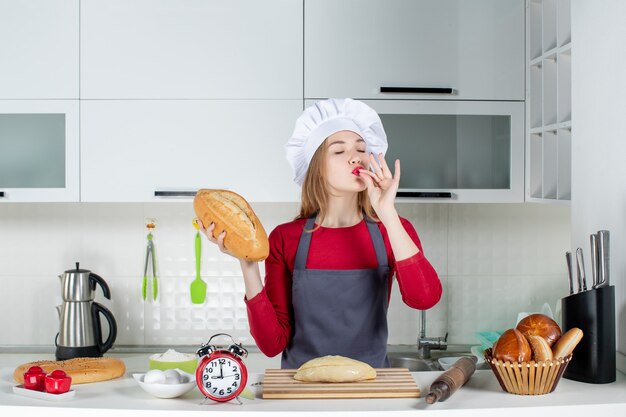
<point>382,185</point>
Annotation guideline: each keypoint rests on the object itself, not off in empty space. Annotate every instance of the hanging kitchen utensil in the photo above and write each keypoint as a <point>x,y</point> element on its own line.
<point>150,259</point>
<point>198,286</point>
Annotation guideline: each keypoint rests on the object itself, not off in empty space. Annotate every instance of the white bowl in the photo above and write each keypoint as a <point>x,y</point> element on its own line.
<point>168,390</point>
<point>479,353</point>
<point>447,362</point>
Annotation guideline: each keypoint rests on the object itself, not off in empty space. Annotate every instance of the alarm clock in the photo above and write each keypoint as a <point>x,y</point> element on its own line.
<point>221,374</point>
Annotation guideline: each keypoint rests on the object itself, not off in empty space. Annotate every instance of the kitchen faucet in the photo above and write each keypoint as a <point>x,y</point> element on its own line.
<point>426,344</point>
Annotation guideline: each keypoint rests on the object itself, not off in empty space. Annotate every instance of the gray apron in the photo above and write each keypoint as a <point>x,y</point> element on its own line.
<point>339,312</point>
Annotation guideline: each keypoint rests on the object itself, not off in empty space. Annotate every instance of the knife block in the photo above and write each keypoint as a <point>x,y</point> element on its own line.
<point>593,312</point>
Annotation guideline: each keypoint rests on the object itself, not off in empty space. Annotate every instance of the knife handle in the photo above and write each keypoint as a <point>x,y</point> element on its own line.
<point>582,285</point>
<point>570,276</point>
<point>593,238</point>
<point>603,257</point>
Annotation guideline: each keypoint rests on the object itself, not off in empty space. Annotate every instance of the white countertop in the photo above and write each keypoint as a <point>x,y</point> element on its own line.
<point>481,396</point>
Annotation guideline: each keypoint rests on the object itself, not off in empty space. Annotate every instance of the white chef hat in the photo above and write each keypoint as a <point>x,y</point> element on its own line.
<point>326,117</point>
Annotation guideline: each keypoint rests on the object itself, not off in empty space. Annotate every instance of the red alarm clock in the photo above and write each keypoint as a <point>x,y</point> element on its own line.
<point>221,374</point>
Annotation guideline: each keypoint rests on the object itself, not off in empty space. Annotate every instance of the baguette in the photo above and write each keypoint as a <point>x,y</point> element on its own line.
<point>82,370</point>
<point>540,347</point>
<point>566,344</point>
<point>230,212</point>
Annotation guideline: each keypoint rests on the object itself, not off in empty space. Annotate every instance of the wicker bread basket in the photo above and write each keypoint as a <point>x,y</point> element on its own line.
<point>528,378</point>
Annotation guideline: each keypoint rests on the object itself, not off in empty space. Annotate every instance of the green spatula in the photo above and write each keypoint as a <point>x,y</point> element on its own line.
<point>198,287</point>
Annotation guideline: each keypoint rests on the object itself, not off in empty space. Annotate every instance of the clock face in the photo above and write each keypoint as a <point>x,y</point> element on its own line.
<point>222,378</point>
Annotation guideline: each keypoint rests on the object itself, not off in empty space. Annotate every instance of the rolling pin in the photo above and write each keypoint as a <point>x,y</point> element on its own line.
<point>451,380</point>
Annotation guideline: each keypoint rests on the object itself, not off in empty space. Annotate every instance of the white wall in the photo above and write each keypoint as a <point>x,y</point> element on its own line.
<point>598,138</point>
<point>494,260</point>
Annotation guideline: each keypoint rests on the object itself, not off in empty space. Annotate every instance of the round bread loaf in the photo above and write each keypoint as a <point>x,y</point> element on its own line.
<point>512,346</point>
<point>82,370</point>
<point>566,344</point>
<point>230,212</point>
<point>540,325</point>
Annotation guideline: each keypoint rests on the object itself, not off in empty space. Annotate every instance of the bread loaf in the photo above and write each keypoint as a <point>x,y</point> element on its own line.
<point>512,346</point>
<point>334,369</point>
<point>540,348</point>
<point>245,236</point>
<point>566,344</point>
<point>540,325</point>
<point>82,370</point>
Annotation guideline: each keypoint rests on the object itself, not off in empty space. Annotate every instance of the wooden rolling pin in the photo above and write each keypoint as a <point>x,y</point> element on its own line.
<point>451,380</point>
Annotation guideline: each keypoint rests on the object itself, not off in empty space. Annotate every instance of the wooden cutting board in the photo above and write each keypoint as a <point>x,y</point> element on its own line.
<point>389,383</point>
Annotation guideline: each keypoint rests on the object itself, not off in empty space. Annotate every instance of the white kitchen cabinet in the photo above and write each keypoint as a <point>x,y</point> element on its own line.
<point>353,48</point>
<point>39,150</point>
<point>549,101</point>
<point>455,151</point>
<point>39,49</point>
<point>132,149</point>
<point>194,49</point>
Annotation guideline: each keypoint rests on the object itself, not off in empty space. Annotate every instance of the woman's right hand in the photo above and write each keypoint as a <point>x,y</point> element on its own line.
<point>208,232</point>
<point>249,269</point>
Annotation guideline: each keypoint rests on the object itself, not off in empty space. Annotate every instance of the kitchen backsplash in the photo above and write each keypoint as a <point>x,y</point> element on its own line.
<point>494,261</point>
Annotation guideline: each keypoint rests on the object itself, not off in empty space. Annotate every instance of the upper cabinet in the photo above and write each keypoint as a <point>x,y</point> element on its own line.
<point>39,150</point>
<point>549,102</point>
<point>456,151</point>
<point>39,49</point>
<point>194,49</point>
<point>149,150</point>
<point>466,50</point>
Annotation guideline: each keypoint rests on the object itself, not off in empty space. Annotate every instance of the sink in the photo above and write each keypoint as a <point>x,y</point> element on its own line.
<point>413,364</point>
<point>406,358</point>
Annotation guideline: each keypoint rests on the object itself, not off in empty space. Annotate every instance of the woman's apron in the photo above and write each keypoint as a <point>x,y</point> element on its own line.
<point>339,312</point>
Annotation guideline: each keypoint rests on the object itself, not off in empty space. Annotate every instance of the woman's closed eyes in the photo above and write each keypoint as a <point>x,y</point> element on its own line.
<point>340,152</point>
<point>339,143</point>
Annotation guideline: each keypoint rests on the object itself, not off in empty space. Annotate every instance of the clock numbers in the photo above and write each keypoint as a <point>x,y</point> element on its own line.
<point>221,377</point>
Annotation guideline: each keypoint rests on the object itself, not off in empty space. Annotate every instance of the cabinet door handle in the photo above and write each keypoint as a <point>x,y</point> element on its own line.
<point>175,193</point>
<point>417,90</point>
<point>424,194</point>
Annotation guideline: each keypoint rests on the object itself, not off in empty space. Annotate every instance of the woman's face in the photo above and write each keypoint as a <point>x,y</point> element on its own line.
<point>345,151</point>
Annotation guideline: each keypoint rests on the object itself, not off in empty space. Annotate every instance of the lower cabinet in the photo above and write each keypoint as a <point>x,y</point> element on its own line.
<point>153,150</point>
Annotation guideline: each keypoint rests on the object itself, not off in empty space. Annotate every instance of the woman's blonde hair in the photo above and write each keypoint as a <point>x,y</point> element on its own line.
<point>315,190</point>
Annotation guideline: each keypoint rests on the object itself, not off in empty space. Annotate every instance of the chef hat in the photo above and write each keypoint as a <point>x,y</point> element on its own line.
<point>326,117</point>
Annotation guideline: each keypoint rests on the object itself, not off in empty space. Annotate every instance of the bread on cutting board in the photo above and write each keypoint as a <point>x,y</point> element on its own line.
<point>333,368</point>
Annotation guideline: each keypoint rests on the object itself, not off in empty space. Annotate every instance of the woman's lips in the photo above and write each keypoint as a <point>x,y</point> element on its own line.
<point>356,170</point>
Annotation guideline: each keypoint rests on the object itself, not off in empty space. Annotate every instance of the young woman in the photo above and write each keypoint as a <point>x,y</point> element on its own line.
<point>329,273</point>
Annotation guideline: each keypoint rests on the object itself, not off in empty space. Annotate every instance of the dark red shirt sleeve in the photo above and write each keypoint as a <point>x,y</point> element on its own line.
<point>270,315</point>
<point>419,283</point>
